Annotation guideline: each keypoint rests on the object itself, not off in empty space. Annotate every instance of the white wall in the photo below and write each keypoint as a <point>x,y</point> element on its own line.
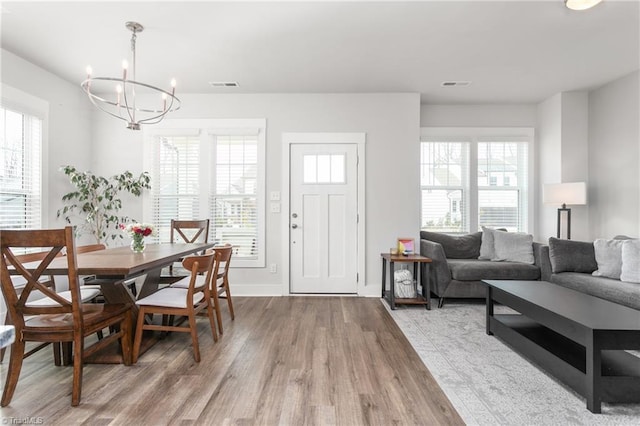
<point>575,155</point>
<point>562,157</point>
<point>392,126</point>
<point>477,115</point>
<point>614,158</point>
<point>548,160</point>
<point>69,125</point>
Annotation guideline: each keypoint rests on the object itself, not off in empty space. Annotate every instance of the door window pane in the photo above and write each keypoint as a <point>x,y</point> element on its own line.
<point>323,168</point>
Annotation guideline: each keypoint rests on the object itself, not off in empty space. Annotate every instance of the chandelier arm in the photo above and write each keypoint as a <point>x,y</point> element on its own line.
<point>170,97</point>
<point>126,103</point>
<point>158,118</point>
<point>99,106</point>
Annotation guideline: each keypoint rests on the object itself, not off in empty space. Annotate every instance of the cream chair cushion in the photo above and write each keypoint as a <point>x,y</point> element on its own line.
<point>85,296</point>
<point>169,298</point>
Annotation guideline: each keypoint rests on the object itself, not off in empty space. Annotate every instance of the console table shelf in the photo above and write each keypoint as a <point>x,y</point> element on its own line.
<point>418,272</point>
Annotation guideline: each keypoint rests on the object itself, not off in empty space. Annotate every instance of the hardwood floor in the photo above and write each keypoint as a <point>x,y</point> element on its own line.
<point>284,360</point>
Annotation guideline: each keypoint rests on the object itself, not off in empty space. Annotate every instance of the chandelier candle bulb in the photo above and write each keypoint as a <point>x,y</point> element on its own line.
<point>125,65</point>
<point>118,91</point>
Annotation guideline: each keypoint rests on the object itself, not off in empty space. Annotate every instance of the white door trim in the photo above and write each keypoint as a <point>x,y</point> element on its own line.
<point>322,138</point>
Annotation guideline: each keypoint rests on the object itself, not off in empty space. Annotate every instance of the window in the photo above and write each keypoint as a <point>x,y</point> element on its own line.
<point>211,169</point>
<point>444,180</point>
<point>235,199</point>
<point>475,177</point>
<point>176,182</point>
<point>324,168</point>
<point>20,169</point>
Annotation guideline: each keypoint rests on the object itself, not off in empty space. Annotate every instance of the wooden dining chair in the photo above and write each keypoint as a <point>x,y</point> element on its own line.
<point>69,321</point>
<point>220,281</point>
<point>185,231</point>
<point>184,302</point>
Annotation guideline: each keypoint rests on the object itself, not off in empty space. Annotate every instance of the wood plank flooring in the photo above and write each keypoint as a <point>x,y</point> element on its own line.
<point>284,360</point>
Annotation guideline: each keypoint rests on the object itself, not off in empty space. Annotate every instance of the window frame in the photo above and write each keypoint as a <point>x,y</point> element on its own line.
<point>473,136</point>
<point>208,130</point>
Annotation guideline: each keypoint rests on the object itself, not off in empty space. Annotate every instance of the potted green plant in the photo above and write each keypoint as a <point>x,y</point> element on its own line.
<point>96,201</point>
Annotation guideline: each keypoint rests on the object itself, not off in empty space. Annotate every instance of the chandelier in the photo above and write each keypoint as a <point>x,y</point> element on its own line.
<point>117,96</point>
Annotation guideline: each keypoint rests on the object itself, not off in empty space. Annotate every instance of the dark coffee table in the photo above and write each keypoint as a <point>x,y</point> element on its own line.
<point>578,338</point>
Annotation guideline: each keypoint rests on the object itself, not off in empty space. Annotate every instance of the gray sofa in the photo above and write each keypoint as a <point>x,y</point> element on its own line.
<point>569,263</point>
<point>456,271</point>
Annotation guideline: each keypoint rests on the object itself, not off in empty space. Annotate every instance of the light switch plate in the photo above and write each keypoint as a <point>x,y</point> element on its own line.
<point>275,207</point>
<point>274,196</point>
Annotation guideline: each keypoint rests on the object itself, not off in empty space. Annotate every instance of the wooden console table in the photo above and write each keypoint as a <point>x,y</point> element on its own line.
<point>422,271</point>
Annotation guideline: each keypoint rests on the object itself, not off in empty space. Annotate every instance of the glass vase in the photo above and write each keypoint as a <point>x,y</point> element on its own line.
<point>137,243</point>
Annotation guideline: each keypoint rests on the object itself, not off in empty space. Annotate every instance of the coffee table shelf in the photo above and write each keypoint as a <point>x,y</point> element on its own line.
<point>566,359</point>
<point>578,338</point>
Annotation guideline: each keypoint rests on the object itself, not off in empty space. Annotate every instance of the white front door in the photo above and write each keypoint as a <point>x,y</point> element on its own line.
<point>323,218</point>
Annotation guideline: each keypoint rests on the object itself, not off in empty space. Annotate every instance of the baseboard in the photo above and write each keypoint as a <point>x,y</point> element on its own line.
<point>256,290</point>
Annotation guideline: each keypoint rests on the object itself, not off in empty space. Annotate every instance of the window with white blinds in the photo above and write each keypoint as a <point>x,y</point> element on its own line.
<point>204,169</point>
<point>20,170</point>
<point>444,177</point>
<point>234,201</point>
<point>176,184</point>
<point>475,177</point>
<point>502,184</point>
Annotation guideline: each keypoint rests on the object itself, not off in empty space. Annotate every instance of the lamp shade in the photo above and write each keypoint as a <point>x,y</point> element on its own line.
<point>581,4</point>
<point>572,193</point>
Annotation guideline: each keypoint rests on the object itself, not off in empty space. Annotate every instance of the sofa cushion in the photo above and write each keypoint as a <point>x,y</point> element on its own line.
<point>476,270</point>
<point>608,257</point>
<point>630,261</point>
<point>456,247</point>
<point>627,294</point>
<point>514,247</point>
<point>571,256</point>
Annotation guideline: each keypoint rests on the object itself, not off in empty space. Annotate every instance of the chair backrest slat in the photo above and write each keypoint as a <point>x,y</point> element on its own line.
<point>198,228</point>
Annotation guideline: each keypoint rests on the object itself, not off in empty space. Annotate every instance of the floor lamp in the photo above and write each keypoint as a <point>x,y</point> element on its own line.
<point>573,193</point>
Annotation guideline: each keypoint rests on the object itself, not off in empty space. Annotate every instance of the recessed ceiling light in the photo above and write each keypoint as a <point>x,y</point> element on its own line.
<point>452,83</point>
<point>581,4</point>
<point>224,83</point>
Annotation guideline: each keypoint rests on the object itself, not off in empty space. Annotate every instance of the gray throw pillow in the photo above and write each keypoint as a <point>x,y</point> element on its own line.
<point>608,258</point>
<point>458,246</point>
<point>571,256</point>
<point>513,247</point>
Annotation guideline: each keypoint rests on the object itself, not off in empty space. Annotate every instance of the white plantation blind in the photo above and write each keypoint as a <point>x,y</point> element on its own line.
<point>20,170</point>
<point>176,182</point>
<point>444,179</point>
<point>473,177</point>
<point>234,201</point>
<point>502,184</point>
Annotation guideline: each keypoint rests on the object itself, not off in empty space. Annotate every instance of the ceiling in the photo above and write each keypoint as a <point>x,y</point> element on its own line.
<point>512,51</point>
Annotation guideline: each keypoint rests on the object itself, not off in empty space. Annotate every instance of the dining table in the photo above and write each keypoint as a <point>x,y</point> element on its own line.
<point>114,267</point>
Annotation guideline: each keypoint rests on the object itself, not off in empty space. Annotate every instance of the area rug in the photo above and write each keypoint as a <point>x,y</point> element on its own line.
<point>488,382</point>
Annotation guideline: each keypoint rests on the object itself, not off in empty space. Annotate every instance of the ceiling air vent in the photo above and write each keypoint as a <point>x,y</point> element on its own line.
<point>455,83</point>
<point>224,83</point>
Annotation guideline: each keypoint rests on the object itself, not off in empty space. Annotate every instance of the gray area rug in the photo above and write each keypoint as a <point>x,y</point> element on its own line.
<point>488,382</point>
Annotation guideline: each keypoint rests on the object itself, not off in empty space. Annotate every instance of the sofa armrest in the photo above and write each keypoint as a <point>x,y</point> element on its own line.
<point>541,255</point>
<point>439,272</point>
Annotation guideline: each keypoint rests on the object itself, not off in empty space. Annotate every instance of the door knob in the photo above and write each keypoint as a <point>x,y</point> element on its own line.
<point>294,226</point>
